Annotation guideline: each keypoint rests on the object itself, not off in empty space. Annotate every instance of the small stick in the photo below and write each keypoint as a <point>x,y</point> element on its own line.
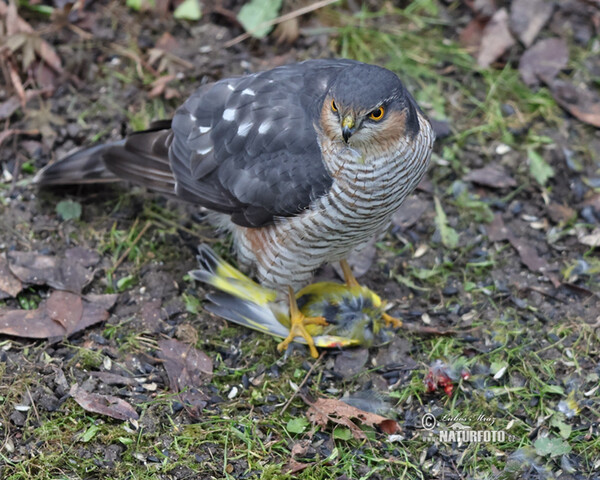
<point>308,374</point>
<point>128,249</point>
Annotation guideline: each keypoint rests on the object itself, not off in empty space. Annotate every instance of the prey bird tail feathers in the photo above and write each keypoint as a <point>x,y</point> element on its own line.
<point>141,158</point>
<point>242,301</point>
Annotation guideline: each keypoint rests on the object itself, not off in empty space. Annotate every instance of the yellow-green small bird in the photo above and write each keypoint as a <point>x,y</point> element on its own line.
<point>344,315</point>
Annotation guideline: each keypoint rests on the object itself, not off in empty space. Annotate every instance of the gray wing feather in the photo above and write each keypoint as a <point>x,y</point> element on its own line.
<point>247,146</point>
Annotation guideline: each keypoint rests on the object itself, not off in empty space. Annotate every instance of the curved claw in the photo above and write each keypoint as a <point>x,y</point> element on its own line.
<point>298,322</point>
<point>391,321</point>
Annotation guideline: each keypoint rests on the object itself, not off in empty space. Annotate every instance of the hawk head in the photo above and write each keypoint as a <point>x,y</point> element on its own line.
<point>368,109</point>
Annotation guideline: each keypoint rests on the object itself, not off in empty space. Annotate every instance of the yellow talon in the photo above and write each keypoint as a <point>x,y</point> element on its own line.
<point>298,322</point>
<point>351,282</point>
<point>393,321</point>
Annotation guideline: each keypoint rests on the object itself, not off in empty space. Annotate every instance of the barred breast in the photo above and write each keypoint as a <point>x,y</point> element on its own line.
<point>364,195</point>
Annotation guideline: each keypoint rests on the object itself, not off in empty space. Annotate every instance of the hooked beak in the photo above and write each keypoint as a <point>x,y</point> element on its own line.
<point>347,127</point>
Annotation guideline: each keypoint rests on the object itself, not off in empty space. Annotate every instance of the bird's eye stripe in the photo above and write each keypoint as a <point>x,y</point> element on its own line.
<point>377,114</point>
<point>334,106</point>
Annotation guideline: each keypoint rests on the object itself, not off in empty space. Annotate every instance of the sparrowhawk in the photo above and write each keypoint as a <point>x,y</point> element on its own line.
<point>302,163</point>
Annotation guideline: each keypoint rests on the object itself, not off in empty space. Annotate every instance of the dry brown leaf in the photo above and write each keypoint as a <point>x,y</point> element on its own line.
<point>287,32</point>
<point>593,201</point>
<point>581,102</point>
<point>10,286</point>
<point>591,239</point>
<point>62,273</point>
<point>325,410</point>
<point>528,17</point>
<point>294,466</point>
<point>496,39</point>
<point>470,36</point>
<point>109,405</point>
<point>560,213</point>
<point>65,308</point>
<point>493,176</point>
<point>14,23</point>
<point>17,84</point>
<point>52,318</point>
<point>48,55</point>
<point>8,107</point>
<point>410,212</point>
<point>497,231</point>
<point>186,366</point>
<point>543,61</point>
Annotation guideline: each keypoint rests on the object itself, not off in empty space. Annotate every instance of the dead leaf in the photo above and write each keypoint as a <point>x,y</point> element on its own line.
<point>325,410</point>
<point>186,366</point>
<point>62,273</point>
<point>497,231</point>
<point>83,256</point>
<point>294,466</point>
<point>493,176</point>
<point>543,61</point>
<point>108,405</point>
<point>496,39</point>
<point>287,32</point>
<point>10,286</point>
<point>581,102</point>
<point>592,239</point>
<point>410,212</point>
<point>528,17</point>
<point>8,107</point>
<point>48,55</point>
<point>560,213</point>
<point>152,316</point>
<point>167,42</point>
<point>300,448</point>
<point>159,86</point>
<point>52,318</point>
<point>64,308</point>
<point>593,201</point>
<point>350,362</point>
<point>15,80</point>
<point>470,36</point>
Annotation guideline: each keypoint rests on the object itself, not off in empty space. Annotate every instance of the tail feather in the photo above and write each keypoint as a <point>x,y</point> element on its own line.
<point>142,158</point>
<point>224,277</point>
<point>246,313</point>
<point>81,167</point>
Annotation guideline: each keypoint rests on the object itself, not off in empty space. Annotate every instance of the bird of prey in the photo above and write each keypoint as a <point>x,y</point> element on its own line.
<point>354,315</point>
<point>302,163</point>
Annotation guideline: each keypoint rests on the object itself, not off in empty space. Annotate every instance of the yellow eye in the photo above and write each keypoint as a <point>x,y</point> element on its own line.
<point>333,106</point>
<point>377,114</point>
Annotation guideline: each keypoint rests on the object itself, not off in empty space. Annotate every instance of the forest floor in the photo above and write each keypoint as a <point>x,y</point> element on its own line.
<point>499,244</point>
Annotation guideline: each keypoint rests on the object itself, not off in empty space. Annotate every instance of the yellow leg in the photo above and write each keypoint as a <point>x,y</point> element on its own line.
<point>298,324</point>
<point>393,321</point>
<point>348,275</point>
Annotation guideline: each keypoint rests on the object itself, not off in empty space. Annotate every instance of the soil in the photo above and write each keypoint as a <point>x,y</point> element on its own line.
<point>154,304</point>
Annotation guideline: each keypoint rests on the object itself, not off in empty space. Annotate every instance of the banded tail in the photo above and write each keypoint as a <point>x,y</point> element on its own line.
<point>142,158</point>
